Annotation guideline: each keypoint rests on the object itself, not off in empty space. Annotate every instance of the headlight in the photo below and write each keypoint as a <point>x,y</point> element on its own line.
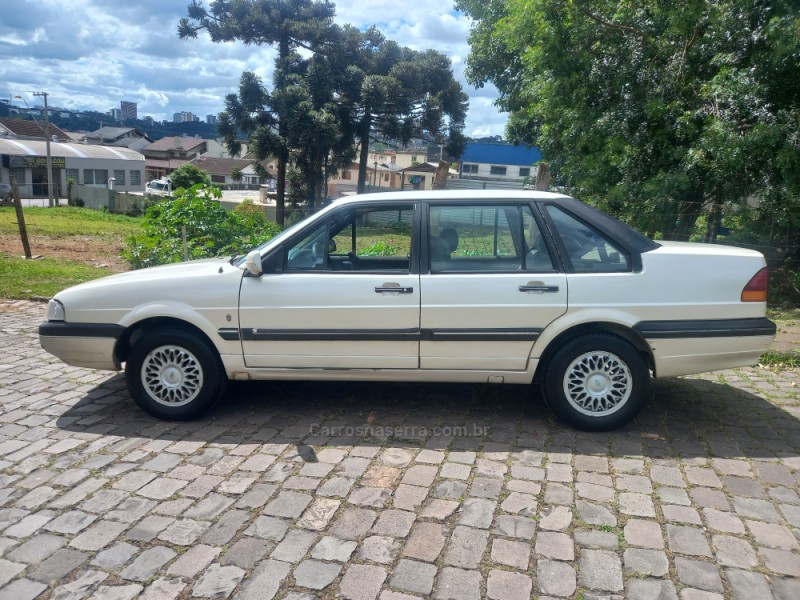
<point>55,311</point>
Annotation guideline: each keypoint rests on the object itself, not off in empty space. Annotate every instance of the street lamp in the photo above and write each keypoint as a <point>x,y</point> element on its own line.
<point>51,200</point>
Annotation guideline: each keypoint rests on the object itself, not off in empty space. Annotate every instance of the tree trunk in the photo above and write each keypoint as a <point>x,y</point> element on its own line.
<point>283,132</point>
<point>714,219</point>
<point>364,153</point>
<point>543,177</point>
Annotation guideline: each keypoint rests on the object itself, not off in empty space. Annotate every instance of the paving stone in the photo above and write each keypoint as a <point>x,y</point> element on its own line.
<point>687,540</point>
<point>21,589</point>
<point>183,532</point>
<point>639,505</point>
<point>485,487</point>
<point>265,581</point>
<point>395,457</point>
<point>161,488</point>
<point>131,510</point>
<point>29,524</point>
<point>362,582</point>
<point>595,514</point>
<point>511,553</point>
<point>315,574</point>
<point>556,578</point>
<point>592,538</point>
<point>395,523</point>
<point>353,466</point>
<point>698,574</point>
<point>209,508</point>
<point>693,594</point>
<point>645,562</point>
<point>556,518</point>
<point>458,584</point>
<point>420,475</point>
<point>148,528</point>
<point>332,548</point>
<point>268,528</point>
<point>226,527</point>
<point>148,563</point>
<point>451,470</point>
<point>555,545</point>
<point>514,526</point>
<point>477,512</point>
<point>709,498</point>
<point>288,504</point>
<point>747,585</point>
<point>671,495</point>
<point>413,576</point>
<point>409,497</point>
<point>439,509</point>
<point>559,472</point>
<point>115,556</point>
<point>490,468</point>
<point>466,547</point>
<point>600,570</point>
<point>370,496</point>
<point>703,477</point>
<point>257,496</point>
<point>752,508</point>
<point>733,552</point>
<point>194,560</point>
<point>294,546</point>
<point>80,587</point>
<point>425,542</point>
<point>246,552</point>
<point>163,589</point>
<point>782,562</point>
<point>772,536</point>
<point>103,501</point>
<point>433,457</point>
<point>681,514</point>
<point>319,514</point>
<point>556,493</point>
<point>352,523</point>
<point>9,570</point>
<point>379,549</point>
<point>786,589</point>
<point>58,565</point>
<point>452,490</point>
<point>517,503</point>
<point>652,589</point>
<point>336,486</point>
<point>218,581</point>
<point>37,549</point>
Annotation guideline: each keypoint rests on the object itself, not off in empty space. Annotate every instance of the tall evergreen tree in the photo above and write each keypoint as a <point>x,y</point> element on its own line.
<point>287,24</point>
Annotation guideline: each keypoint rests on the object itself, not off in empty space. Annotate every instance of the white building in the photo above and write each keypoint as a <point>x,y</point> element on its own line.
<point>88,165</point>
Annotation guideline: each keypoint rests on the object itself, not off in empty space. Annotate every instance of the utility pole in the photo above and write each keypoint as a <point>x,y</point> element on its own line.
<point>51,199</point>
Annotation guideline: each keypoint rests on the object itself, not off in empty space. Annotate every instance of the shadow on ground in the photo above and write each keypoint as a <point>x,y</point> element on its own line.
<point>684,418</point>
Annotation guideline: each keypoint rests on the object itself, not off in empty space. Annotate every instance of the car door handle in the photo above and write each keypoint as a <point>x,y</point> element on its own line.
<point>539,289</point>
<point>393,289</point>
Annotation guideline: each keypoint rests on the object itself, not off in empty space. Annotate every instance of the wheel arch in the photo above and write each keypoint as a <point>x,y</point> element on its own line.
<point>141,328</point>
<point>616,329</point>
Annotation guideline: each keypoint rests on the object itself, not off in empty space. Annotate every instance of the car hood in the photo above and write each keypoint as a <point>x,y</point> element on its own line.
<point>162,276</point>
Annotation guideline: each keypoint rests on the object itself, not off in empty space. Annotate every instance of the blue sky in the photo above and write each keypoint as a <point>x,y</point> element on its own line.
<point>90,54</point>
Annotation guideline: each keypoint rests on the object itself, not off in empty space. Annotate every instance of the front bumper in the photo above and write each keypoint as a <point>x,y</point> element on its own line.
<point>89,345</point>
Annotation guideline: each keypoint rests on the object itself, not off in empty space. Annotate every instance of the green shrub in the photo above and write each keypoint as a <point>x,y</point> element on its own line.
<point>210,229</point>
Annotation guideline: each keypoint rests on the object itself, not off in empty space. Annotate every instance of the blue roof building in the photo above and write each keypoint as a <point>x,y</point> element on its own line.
<point>498,161</point>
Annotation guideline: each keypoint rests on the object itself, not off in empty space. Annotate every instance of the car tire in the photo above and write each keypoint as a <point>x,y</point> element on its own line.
<point>596,382</point>
<point>173,375</point>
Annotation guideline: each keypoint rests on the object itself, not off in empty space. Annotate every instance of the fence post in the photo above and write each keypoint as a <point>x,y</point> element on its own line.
<point>23,231</point>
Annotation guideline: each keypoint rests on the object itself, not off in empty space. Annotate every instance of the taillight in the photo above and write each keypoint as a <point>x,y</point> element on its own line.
<point>756,288</point>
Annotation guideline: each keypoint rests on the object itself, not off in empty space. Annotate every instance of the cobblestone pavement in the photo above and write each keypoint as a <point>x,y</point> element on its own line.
<point>452,491</point>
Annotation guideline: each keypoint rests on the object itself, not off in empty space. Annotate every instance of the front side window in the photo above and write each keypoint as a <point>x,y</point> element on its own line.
<point>588,251</point>
<point>524,171</point>
<point>496,238</point>
<point>495,170</point>
<point>364,239</point>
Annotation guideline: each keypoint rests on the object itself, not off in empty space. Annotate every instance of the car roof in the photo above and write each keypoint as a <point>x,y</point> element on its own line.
<point>418,195</point>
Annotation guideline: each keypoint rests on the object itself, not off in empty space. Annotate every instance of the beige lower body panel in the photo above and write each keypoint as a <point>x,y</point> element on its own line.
<point>688,356</point>
<point>87,352</point>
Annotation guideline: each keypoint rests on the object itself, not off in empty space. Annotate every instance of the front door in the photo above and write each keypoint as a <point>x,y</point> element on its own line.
<point>348,296</point>
<point>490,288</point>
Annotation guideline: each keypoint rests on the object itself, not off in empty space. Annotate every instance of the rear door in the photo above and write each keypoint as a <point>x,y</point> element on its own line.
<point>489,286</point>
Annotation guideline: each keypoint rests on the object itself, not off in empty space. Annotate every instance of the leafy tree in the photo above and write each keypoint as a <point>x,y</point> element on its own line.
<point>189,175</point>
<point>210,229</point>
<point>656,109</point>
<point>286,24</point>
<point>236,175</point>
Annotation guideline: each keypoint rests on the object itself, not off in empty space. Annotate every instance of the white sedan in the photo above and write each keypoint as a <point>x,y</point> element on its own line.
<point>498,287</point>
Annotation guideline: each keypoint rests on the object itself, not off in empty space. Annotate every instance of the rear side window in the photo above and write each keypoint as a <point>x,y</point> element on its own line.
<point>588,251</point>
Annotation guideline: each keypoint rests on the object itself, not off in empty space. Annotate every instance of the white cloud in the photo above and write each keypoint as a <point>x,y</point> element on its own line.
<point>91,54</point>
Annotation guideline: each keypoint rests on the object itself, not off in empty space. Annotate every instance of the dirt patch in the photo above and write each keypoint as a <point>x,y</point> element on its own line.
<point>98,252</point>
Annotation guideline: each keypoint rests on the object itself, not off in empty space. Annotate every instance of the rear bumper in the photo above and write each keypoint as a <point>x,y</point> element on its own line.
<point>687,347</point>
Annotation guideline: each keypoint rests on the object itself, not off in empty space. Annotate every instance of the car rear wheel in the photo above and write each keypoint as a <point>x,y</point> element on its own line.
<point>173,375</point>
<point>596,382</point>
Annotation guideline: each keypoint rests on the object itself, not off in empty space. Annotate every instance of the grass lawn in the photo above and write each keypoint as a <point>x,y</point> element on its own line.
<point>73,241</point>
<point>69,221</point>
<point>21,279</point>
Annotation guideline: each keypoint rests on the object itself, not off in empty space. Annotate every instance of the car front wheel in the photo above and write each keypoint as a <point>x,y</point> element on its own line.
<point>173,375</point>
<point>596,382</point>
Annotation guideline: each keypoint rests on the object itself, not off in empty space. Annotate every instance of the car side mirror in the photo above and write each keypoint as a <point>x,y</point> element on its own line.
<point>253,263</point>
